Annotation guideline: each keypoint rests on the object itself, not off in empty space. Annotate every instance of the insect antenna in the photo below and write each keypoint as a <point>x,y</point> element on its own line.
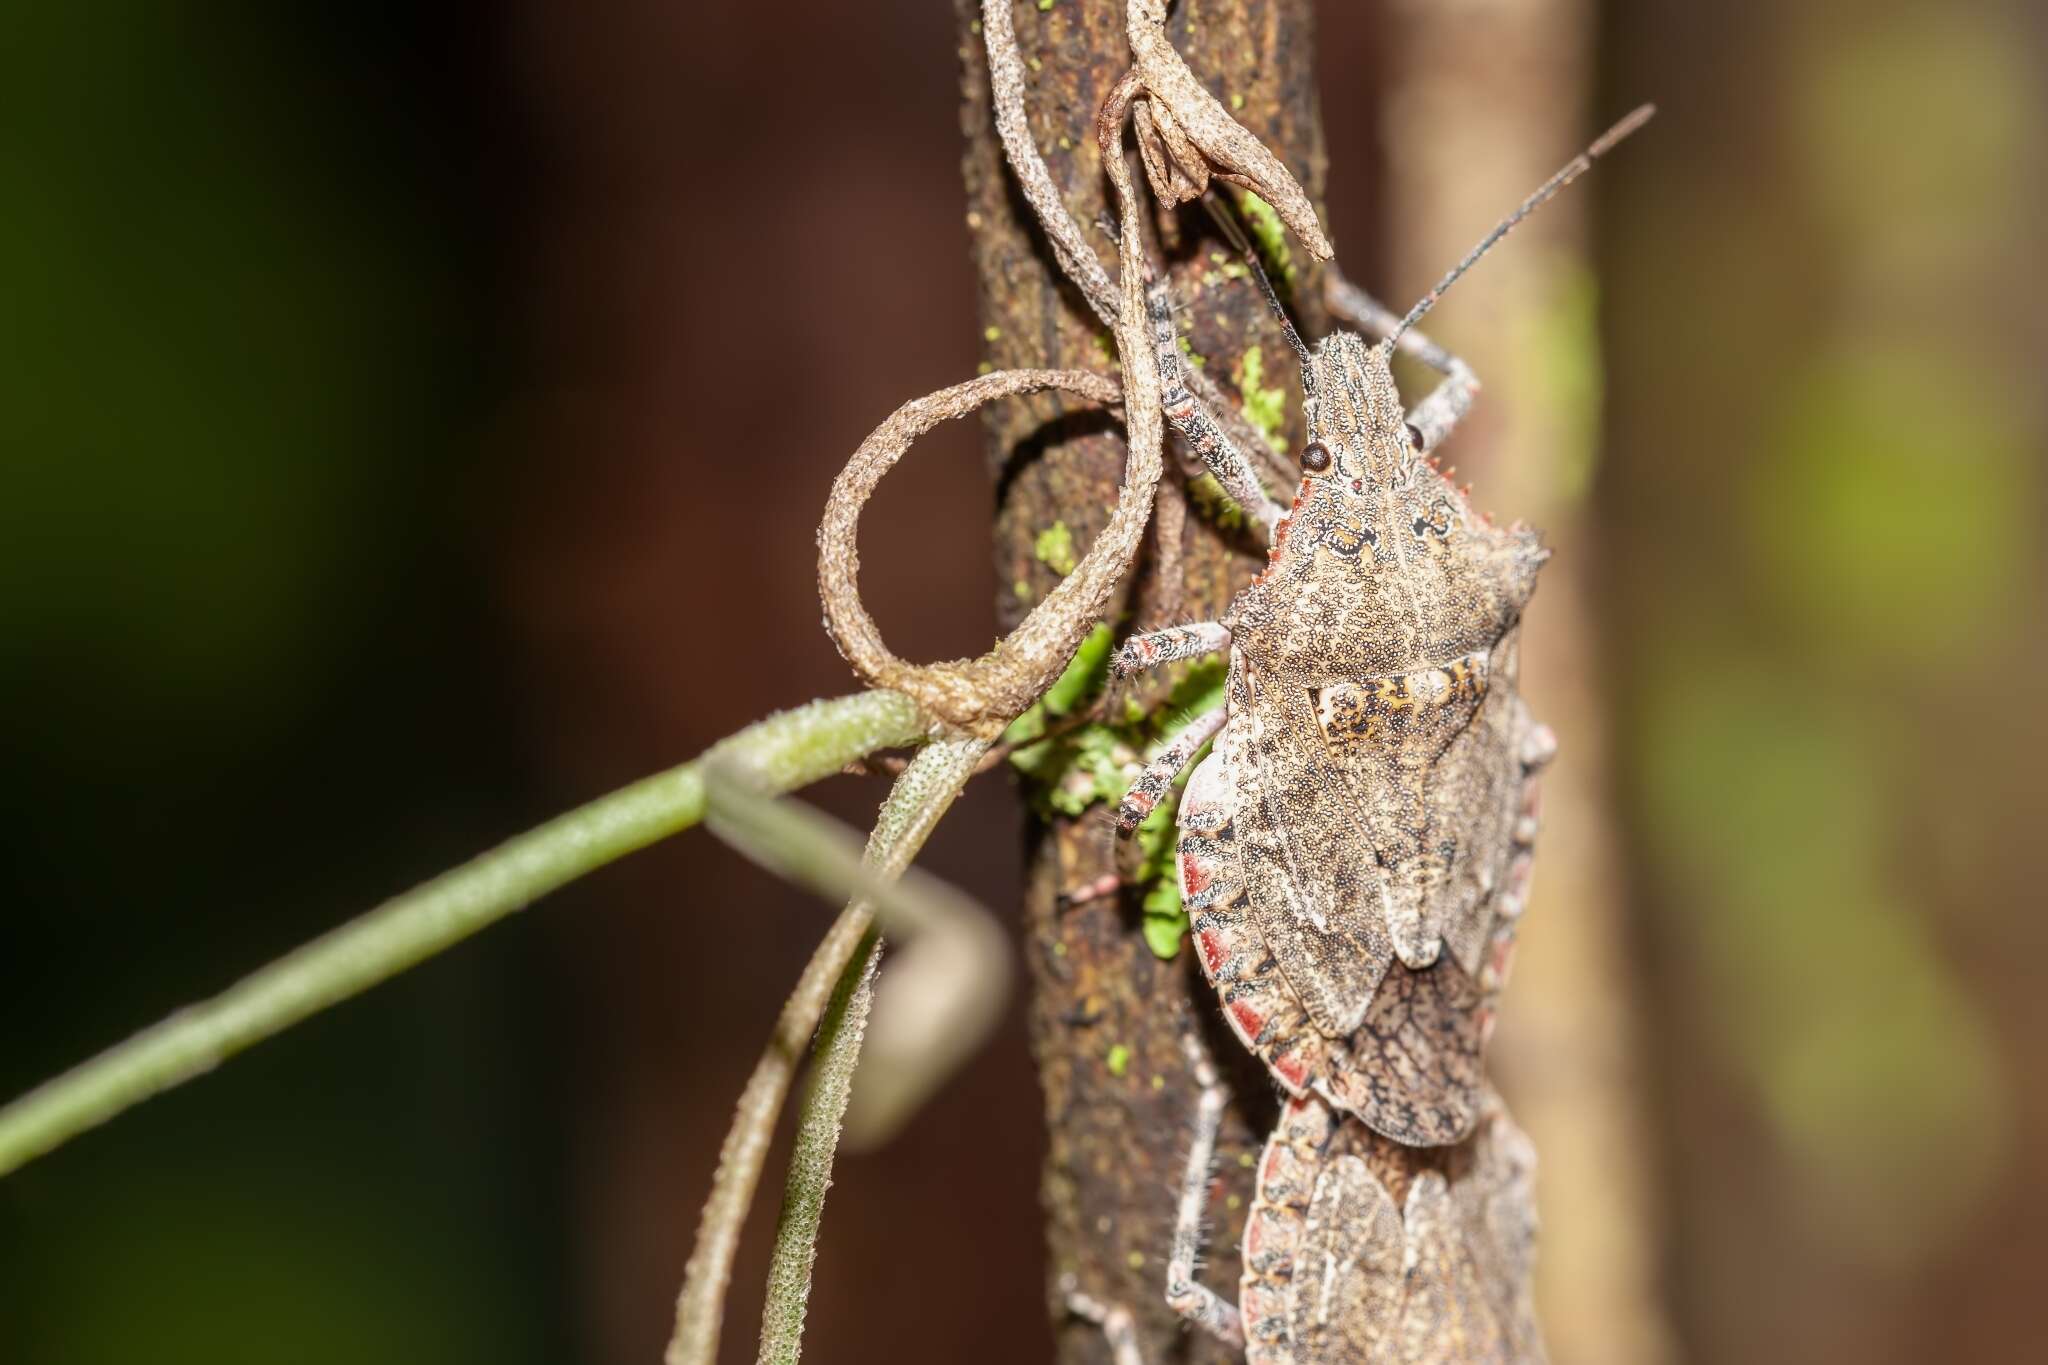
<point>1572,170</point>
<point>1226,222</point>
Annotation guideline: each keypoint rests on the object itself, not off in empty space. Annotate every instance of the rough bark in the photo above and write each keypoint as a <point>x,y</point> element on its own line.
<point>1108,1014</point>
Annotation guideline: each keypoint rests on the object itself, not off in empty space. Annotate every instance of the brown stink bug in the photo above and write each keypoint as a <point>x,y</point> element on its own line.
<point>1354,856</point>
<point>1353,851</point>
<point>1338,1267</point>
<point>1352,1255</point>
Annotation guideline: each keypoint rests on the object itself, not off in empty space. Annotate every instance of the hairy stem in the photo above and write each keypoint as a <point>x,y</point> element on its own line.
<point>782,752</point>
<point>919,797</point>
<point>840,1035</point>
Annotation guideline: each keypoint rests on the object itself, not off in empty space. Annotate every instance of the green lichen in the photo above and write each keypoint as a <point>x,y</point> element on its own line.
<point>1229,266</point>
<point>1264,407</point>
<point>1044,5</point>
<point>1213,504</point>
<point>1084,676</point>
<point>1054,548</point>
<point>1160,917</point>
<point>1095,764</point>
<point>1269,235</point>
<point>1082,768</point>
<point>1118,1061</point>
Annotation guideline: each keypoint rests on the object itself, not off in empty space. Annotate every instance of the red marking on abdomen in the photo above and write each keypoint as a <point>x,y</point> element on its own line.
<point>1292,1071</point>
<point>1248,1020</point>
<point>1194,878</point>
<point>1214,954</point>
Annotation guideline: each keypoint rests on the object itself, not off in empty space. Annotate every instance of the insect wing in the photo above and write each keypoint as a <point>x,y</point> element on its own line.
<point>1347,1285</point>
<point>1447,1319</point>
<point>1428,761</point>
<point>1496,1207</point>
<point>1412,1070</point>
<point>1261,1008</point>
<point>1315,895</point>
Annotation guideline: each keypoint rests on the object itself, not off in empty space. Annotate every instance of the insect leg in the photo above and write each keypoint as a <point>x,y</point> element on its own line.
<point>1449,401</point>
<point>1196,1302</point>
<point>1115,1323</point>
<point>1194,422</point>
<point>1171,645</point>
<point>1158,775</point>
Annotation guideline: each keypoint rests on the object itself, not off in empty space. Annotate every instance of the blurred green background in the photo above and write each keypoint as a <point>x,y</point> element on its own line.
<point>396,453</point>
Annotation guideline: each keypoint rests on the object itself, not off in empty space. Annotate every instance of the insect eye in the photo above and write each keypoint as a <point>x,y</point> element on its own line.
<point>1414,436</point>
<point>1315,457</point>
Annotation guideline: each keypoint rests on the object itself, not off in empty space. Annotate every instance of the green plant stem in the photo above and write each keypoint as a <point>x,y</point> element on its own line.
<point>784,751</point>
<point>920,796</point>
<point>840,1034</point>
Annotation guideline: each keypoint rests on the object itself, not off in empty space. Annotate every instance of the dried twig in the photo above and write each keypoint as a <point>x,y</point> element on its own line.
<point>1185,135</point>
<point>1013,127</point>
<point>1070,245</point>
<point>976,696</point>
<point>1169,530</point>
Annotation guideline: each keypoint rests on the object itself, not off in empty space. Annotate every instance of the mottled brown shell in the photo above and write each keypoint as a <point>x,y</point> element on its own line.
<point>1374,770</point>
<point>1340,1269</point>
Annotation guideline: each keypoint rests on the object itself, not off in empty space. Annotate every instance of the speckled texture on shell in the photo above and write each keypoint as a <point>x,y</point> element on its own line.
<point>1375,767</point>
<point>1337,1271</point>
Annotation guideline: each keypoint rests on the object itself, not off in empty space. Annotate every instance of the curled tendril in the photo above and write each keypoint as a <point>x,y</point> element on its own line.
<point>1186,136</point>
<point>976,696</point>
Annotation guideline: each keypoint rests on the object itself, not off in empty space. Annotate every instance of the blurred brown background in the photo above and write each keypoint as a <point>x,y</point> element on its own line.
<point>414,421</point>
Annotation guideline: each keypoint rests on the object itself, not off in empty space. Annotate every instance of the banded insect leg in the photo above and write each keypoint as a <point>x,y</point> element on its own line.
<point>1186,1295</point>
<point>1217,452</point>
<point>1435,415</point>
<point>1157,647</point>
<point>1154,782</point>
